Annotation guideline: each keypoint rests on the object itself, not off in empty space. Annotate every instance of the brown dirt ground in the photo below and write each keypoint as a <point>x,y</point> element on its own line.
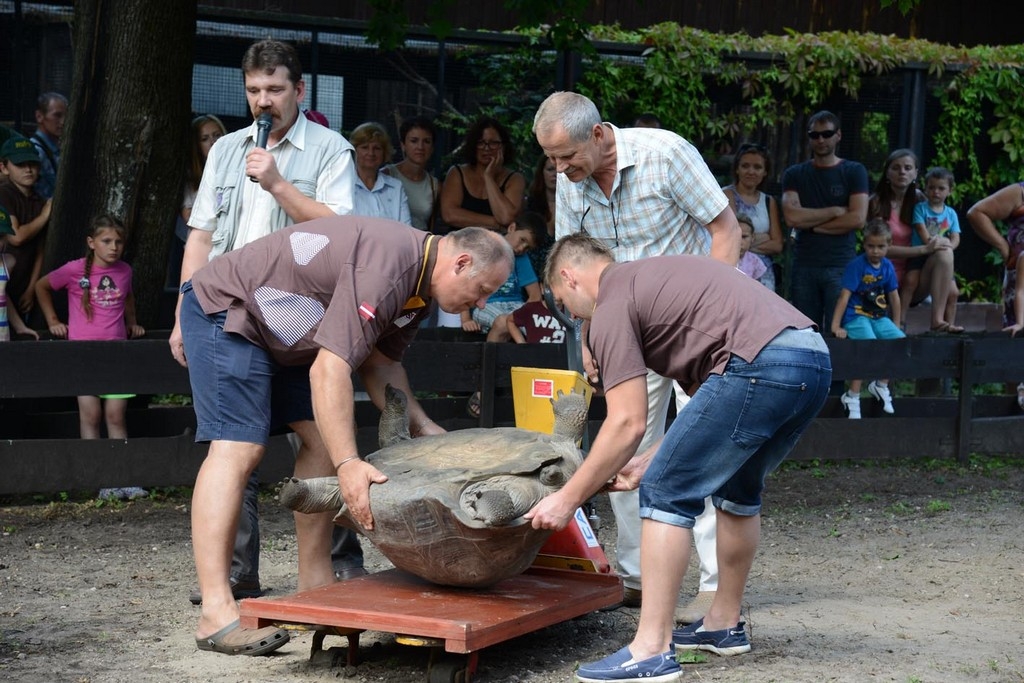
<point>907,572</point>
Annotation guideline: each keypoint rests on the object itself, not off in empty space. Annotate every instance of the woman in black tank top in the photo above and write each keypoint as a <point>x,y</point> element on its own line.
<point>482,191</point>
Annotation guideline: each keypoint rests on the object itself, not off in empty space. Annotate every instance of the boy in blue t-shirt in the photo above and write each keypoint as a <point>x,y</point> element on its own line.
<point>867,306</point>
<point>932,218</point>
<point>524,234</point>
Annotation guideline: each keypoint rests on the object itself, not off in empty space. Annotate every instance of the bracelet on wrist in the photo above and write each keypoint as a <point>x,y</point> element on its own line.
<point>348,459</point>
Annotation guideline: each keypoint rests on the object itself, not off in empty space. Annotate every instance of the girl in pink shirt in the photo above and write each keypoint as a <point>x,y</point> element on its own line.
<point>101,306</point>
<point>749,264</point>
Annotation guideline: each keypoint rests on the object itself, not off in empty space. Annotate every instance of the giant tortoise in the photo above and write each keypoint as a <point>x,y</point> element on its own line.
<point>451,510</point>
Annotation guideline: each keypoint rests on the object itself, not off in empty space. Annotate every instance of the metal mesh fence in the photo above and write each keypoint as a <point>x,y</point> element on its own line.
<point>351,81</point>
<point>347,80</point>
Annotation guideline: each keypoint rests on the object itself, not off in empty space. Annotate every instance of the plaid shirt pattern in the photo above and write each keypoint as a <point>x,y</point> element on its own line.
<point>662,197</point>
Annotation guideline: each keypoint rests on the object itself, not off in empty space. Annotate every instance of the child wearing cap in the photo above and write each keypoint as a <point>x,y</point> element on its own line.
<point>29,214</point>
<point>9,318</point>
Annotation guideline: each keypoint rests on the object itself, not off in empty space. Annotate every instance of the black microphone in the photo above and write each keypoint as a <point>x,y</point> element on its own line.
<point>263,124</point>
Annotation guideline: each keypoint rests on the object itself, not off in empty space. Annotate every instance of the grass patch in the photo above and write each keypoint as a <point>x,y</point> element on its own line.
<point>817,468</point>
<point>900,509</point>
<point>995,465</point>
<point>999,466</point>
<point>691,657</point>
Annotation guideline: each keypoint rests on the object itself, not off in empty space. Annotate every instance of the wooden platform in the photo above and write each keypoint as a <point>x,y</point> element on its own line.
<point>467,620</point>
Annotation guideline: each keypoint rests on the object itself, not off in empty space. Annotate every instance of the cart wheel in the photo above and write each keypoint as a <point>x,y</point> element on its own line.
<point>334,656</point>
<point>448,670</point>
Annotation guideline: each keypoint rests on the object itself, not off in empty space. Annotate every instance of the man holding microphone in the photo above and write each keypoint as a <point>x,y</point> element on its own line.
<point>256,182</point>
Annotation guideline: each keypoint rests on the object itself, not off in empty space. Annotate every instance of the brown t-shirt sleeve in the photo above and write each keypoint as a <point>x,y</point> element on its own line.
<point>362,309</point>
<point>615,344</point>
<point>397,338</point>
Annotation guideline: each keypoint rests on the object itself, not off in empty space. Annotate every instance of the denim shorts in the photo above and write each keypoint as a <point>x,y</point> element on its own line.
<point>238,391</point>
<point>863,327</point>
<point>736,429</point>
<point>489,313</point>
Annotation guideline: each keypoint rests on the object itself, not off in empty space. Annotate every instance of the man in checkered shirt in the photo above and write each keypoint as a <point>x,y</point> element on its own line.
<point>643,192</point>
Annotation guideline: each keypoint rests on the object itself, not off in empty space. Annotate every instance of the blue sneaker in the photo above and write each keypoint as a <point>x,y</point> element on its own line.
<point>122,493</point>
<point>133,492</point>
<point>621,668</point>
<point>727,642</point>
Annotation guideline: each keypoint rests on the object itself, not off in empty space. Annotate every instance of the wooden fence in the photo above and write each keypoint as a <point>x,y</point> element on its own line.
<point>39,451</point>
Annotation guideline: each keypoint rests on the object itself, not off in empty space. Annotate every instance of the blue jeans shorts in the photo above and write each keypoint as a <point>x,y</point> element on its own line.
<point>736,429</point>
<point>489,313</point>
<point>238,391</point>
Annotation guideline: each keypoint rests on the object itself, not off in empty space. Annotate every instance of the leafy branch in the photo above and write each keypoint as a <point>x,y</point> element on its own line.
<point>716,89</point>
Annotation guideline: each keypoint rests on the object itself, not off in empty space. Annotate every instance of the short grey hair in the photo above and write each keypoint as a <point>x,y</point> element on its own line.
<point>487,247</point>
<point>46,100</point>
<point>575,113</point>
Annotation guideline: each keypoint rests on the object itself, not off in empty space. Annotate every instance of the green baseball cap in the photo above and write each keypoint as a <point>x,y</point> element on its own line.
<point>19,150</point>
<point>5,223</point>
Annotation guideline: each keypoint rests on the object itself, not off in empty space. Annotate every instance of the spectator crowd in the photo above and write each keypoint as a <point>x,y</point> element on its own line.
<point>799,245</point>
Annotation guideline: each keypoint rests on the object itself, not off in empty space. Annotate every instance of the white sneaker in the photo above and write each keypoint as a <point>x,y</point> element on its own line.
<point>851,404</point>
<point>882,393</point>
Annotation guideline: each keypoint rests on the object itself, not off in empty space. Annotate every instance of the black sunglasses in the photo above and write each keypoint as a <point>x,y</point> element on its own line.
<point>816,134</point>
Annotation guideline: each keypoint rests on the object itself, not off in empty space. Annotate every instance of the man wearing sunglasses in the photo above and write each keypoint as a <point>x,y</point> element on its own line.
<point>825,202</point>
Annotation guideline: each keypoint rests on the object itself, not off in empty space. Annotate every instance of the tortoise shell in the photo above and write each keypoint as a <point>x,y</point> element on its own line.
<point>451,510</point>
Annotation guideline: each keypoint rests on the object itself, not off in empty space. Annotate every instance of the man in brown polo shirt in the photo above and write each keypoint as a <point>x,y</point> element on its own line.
<point>757,373</point>
<point>341,295</point>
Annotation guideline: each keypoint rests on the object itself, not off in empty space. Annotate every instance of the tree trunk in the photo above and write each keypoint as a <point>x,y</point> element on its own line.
<point>126,141</point>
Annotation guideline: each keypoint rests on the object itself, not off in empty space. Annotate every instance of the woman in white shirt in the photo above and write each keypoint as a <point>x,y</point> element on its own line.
<point>376,194</point>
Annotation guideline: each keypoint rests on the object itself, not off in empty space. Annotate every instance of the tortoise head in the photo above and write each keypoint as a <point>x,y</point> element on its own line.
<point>554,476</point>
<point>570,415</point>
